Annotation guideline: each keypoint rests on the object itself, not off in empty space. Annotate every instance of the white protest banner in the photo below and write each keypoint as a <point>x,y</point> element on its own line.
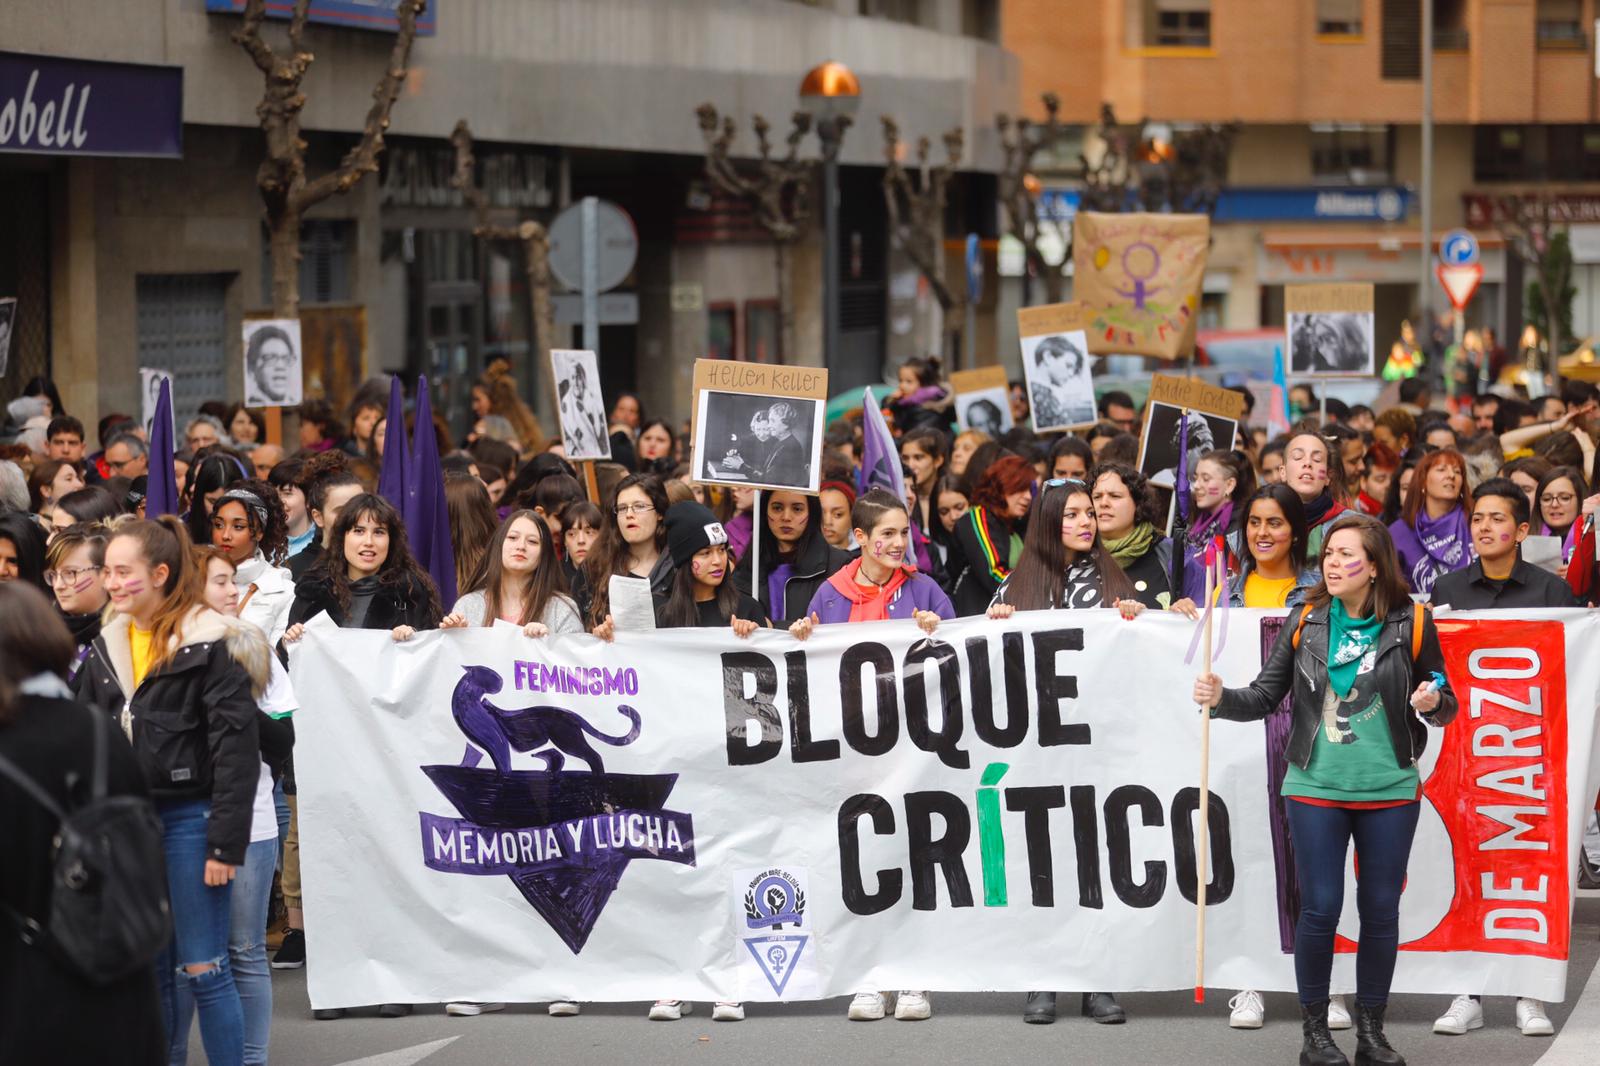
<point>1004,807</point>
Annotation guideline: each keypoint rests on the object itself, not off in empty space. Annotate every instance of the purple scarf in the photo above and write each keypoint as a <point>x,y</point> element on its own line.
<point>1436,546</point>
<point>1207,526</point>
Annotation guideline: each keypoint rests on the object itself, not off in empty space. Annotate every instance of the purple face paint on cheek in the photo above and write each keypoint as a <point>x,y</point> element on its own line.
<point>877,548</point>
<point>1355,570</point>
<point>1505,537</point>
<point>85,583</point>
<point>132,588</point>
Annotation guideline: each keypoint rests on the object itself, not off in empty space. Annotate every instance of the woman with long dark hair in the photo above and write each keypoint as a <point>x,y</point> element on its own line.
<point>633,545</point>
<point>472,526</point>
<point>248,524</point>
<point>1432,534</point>
<point>795,557</point>
<point>1355,670</point>
<point>518,580</point>
<point>22,546</point>
<point>1318,481</point>
<point>50,1012</point>
<point>703,592</point>
<point>989,535</point>
<point>183,681</point>
<point>208,478</point>
<point>1126,512</point>
<point>925,451</point>
<point>1065,566</point>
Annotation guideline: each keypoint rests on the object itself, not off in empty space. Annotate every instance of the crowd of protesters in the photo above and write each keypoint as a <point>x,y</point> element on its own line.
<point>176,627</point>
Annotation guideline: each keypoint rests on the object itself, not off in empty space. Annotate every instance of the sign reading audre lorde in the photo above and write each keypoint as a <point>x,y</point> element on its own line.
<point>1004,806</point>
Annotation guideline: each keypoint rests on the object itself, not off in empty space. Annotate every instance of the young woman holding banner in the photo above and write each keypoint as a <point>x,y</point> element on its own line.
<point>879,586</point>
<point>1125,512</point>
<point>1065,566</point>
<point>795,558</point>
<point>988,538</point>
<point>1346,661</point>
<point>633,545</point>
<point>520,581</point>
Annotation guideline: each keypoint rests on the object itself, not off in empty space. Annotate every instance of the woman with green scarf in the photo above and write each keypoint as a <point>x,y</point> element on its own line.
<point>1364,673</point>
<point>1125,509</point>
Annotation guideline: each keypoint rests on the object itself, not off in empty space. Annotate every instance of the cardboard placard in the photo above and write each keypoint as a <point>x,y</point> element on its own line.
<point>579,404</point>
<point>1139,275</point>
<point>1056,365</point>
<point>757,425</point>
<point>1213,423</point>
<point>982,400</point>
<point>1196,395</point>
<point>1329,330</point>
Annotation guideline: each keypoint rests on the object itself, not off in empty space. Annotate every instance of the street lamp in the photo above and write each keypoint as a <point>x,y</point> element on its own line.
<point>830,94</point>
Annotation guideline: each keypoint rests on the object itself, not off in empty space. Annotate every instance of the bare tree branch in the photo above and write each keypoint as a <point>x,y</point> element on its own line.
<point>1528,222</point>
<point>916,206</point>
<point>778,190</point>
<point>1021,143</point>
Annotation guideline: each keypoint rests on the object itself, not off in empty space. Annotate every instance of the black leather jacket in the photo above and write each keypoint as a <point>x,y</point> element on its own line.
<point>1305,671</point>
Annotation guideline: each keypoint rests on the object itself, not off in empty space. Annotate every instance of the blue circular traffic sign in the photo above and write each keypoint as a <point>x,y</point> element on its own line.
<point>1458,249</point>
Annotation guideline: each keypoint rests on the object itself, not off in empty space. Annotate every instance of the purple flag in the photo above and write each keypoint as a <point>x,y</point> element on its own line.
<point>880,459</point>
<point>426,514</point>
<point>394,480</point>
<point>161,484</point>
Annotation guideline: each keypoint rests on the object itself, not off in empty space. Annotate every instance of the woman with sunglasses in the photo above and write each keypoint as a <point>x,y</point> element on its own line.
<point>1064,566</point>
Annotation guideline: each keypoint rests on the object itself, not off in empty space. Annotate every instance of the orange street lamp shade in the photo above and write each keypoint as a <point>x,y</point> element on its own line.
<point>1032,185</point>
<point>830,79</point>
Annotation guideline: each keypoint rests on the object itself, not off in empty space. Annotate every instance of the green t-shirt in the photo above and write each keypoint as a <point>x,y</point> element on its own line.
<point>1352,755</point>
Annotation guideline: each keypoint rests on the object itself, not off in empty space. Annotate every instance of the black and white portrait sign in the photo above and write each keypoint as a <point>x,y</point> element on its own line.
<point>272,366</point>
<point>1165,433</point>
<point>8,322</point>
<point>982,400</point>
<point>1330,330</point>
<point>1060,389</point>
<point>582,409</point>
<point>771,442</point>
<point>150,379</point>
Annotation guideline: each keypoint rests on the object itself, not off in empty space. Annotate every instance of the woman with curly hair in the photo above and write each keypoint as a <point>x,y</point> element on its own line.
<point>248,525</point>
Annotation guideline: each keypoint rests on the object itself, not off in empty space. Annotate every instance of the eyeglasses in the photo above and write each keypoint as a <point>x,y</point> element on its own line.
<point>1557,499</point>
<point>115,466</point>
<point>1057,482</point>
<point>633,508</point>
<point>68,577</point>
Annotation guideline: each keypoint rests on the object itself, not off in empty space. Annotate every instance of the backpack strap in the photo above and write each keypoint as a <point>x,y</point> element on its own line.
<point>12,772</point>
<point>1418,613</point>
<point>1294,641</point>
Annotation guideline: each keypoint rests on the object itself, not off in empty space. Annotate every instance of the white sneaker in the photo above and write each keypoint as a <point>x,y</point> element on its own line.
<point>912,1007</point>
<point>866,1007</point>
<point>1248,1010</point>
<point>564,1008</point>
<point>462,1009</point>
<point>724,1011</point>
<point>1465,1014</point>
<point>1338,1013</point>
<point>1532,1020</point>
<point>670,1010</point>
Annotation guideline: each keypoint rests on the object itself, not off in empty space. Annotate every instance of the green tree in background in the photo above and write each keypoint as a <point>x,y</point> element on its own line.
<point>1556,266</point>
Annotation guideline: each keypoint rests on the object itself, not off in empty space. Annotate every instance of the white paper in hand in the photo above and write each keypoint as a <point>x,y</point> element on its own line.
<point>1543,552</point>
<point>632,608</point>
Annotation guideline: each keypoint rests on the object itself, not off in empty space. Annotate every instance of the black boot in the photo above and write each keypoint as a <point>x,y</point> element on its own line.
<point>1040,1008</point>
<point>1318,1048</point>
<point>1372,1049</point>
<point>1103,1008</point>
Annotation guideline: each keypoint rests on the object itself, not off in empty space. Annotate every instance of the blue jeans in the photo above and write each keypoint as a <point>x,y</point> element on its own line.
<point>1322,838</point>
<point>247,955</point>
<point>200,920</point>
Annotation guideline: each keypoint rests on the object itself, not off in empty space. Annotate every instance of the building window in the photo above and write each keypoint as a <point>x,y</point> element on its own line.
<point>1500,153</point>
<point>1169,23</point>
<point>1339,18</point>
<point>1351,154</point>
<point>722,331</point>
<point>761,340</point>
<point>909,11</point>
<point>1559,24</point>
<point>183,329</point>
<point>326,251</point>
<point>1566,153</point>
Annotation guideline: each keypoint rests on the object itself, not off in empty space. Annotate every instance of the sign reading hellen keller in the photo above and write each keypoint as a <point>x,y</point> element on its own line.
<point>52,105</point>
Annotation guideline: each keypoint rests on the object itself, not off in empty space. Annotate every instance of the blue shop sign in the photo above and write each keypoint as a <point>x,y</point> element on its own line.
<point>1313,203</point>
<point>1298,203</point>
<point>50,105</point>
<point>360,14</point>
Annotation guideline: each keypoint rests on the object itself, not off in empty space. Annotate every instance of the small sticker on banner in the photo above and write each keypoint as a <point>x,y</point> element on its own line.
<point>777,957</point>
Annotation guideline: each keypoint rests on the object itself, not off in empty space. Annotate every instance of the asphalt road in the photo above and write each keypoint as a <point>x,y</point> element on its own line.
<point>1166,1028</point>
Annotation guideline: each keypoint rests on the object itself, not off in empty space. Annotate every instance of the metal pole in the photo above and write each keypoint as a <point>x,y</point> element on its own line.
<point>591,274</point>
<point>1425,249</point>
<point>830,249</point>
<point>971,330</point>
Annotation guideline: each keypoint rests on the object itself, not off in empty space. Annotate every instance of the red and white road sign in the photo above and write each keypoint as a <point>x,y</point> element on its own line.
<point>1460,282</point>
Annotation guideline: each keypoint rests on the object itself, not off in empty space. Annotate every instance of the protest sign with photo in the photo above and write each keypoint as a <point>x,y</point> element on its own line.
<point>1330,330</point>
<point>1056,363</point>
<point>273,374</point>
<point>8,323</point>
<point>982,400</point>
<point>757,425</point>
<point>584,433</point>
<point>1213,422</point>
<point>973,812</point>
<point>150,380</point>
<point>1139,276</point>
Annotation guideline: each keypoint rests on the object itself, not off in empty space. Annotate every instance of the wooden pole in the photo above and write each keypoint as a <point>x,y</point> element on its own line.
<point>273,416</point>
<point>589,481</point>
<point>1214,584</point>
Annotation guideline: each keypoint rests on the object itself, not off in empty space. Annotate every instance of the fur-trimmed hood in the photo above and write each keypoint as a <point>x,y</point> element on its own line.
<point>246,645</point>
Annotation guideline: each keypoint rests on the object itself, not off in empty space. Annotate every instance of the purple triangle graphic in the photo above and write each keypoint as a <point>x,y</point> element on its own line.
<point>570,898</point>
<point>777,969</point>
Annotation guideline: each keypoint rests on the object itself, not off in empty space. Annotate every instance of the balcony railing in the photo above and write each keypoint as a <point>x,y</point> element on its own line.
<point>1561,35</point>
